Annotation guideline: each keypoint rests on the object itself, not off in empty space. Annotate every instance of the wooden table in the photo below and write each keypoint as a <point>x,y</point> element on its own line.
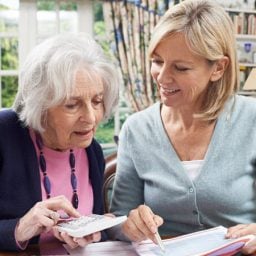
<point>54,248</point>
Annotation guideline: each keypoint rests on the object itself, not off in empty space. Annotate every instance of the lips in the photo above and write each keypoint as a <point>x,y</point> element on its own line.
<point>84,133</point>
<point>169,90</point>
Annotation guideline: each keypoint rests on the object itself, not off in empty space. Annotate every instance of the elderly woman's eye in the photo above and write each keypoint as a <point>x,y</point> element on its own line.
<point>97,102</point>
<point>70,105</point>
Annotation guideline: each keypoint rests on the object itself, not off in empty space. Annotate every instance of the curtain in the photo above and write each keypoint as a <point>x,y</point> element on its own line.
<point>129,24</point>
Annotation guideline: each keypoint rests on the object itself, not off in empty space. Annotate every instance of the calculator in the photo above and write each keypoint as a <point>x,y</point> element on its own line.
<point>86,225</point>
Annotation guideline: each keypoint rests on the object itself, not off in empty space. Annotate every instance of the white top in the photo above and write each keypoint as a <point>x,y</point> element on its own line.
<point>193,168</point>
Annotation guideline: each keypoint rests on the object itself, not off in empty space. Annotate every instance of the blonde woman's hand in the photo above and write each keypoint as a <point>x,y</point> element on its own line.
<point>141,224</point>
<point>242,230</point>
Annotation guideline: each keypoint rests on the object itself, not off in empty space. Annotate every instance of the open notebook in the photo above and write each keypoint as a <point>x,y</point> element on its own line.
<point>210,242</point>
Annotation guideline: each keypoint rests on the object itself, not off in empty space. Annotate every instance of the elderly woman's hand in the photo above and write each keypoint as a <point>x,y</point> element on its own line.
<point>141,224</point>
<point>42,217</point>
<point>242,230</point>
<point>74,242</point>
<point>83,241</point>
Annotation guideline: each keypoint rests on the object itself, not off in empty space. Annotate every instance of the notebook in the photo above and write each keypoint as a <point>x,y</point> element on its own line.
<point>210,242</point>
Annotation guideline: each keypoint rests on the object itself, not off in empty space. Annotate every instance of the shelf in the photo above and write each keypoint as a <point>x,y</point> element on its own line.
<point>247,93</point>
<point>248,65</point>
<point>245,37</point>
<point>244,21</point>
<point>240,11</point>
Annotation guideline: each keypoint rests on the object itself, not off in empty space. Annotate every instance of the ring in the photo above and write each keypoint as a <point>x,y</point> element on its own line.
<point>52,216</point>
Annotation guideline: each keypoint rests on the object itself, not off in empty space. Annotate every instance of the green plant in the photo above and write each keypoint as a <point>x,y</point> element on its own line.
<point>9,53</point>
<point>105,132</point>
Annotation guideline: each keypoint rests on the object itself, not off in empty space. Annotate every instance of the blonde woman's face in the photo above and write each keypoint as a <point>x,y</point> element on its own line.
<point>181,76</point>
<point>74,122</point>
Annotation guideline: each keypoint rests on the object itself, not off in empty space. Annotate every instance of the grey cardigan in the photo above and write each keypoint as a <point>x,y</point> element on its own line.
<point>149,170</point>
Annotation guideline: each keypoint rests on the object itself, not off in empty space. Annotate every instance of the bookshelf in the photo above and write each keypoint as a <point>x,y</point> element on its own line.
<point>245,27</point>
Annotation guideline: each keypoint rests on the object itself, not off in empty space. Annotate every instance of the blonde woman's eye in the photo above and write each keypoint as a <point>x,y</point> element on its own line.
<point>181,69</point>
<point>156,61</point>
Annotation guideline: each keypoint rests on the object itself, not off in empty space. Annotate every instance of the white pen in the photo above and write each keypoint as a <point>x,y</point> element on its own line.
<point>159,241</point>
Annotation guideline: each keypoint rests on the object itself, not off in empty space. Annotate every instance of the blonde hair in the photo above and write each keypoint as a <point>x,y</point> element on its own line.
<point>209,33</point>
<point>47,76</point>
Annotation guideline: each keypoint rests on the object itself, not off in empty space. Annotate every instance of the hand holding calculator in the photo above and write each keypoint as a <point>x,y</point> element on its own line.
<point>86,225</point>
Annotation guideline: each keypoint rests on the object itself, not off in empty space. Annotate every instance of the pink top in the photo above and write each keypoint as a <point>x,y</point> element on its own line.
<point>59,171</point>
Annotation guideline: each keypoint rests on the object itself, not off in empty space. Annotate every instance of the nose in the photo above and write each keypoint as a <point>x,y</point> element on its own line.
<point>88,115</point>
<point>164,75</point>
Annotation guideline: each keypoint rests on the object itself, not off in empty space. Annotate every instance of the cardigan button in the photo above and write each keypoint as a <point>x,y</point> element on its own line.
<point>191,190</point>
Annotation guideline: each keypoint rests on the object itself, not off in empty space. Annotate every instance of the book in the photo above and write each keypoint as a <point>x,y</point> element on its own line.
<point>210,242</point>
<point>86,225</point>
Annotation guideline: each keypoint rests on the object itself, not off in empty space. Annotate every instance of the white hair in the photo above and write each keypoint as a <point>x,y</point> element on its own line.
<point>47,76</point>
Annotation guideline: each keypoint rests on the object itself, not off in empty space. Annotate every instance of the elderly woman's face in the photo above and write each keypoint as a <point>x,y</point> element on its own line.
<point>73,123</point>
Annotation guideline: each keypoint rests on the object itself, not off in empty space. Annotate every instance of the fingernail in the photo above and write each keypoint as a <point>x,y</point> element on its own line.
<point>153,229</point>
<point>64,216</point>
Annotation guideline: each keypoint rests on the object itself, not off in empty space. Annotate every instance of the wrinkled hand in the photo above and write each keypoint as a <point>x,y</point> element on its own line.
<point>42,217</point>
<point>141,224</point>
<point>74,242</point>
<point>242,230</point>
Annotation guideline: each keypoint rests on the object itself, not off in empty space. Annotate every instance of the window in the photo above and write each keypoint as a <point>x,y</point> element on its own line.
<point>9,16</point>
<point>25,23</point>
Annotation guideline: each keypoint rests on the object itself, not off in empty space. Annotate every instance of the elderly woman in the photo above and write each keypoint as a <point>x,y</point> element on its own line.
<point>50,164</point>
<point>180,164</point>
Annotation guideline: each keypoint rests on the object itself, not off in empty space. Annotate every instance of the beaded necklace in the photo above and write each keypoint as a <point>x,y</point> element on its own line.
<point>46,180</point>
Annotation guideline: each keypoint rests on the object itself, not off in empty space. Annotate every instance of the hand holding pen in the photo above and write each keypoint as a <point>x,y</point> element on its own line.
<point>143,224</point>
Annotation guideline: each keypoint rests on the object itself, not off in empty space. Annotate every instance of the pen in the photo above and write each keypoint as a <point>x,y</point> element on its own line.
<point>159,241</point>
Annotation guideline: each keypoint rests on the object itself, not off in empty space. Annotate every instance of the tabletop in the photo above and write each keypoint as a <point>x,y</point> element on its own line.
<point>53,248</point>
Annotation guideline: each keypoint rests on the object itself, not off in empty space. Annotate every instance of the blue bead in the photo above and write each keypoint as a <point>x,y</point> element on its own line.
<point>75,200</point>
<point>42,163</point>
<point>72,160</point>
<point>73,181</point>
<point>47,185</point>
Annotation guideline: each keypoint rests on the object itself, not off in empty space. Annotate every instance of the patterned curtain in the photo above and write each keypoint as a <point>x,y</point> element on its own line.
<point>130,23</point>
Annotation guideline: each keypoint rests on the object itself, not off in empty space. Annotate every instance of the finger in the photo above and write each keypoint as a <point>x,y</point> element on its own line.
<point>110,215</point>
<point>242,230</point>
<point>142,221</point>
<point>45,220</point>
<point>95,237</point>
<point>131,231</point>
<point>237,227</point>
<point>250,247</point>
<point>54,216</point>
<point>233,230</point>
<point>56,233</point>
<point>68,240</point>
<point>61,203</point>
<point>147,216</point>
<point>83,241</point>
<point>158,220</point>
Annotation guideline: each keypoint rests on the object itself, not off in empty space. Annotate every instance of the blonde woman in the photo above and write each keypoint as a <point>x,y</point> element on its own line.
<point>184,163</point>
